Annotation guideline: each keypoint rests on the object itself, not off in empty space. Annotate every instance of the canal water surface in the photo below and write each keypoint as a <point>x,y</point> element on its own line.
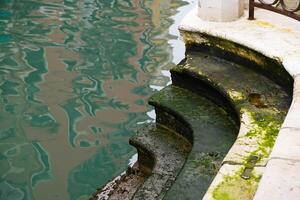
<point>75,76</point>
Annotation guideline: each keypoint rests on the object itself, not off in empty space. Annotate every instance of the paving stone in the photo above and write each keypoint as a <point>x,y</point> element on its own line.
<point>287,144</point>
<point>281,180</point>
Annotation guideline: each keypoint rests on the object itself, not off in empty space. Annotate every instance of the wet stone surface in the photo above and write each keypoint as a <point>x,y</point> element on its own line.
<point>261,105</point>
<point>168,151</point>
<point>207,96</point>
<point>213,131</point>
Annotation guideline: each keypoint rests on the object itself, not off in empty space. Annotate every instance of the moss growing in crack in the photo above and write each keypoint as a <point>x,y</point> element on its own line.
<point>233,187</point>
<point>265,129</point>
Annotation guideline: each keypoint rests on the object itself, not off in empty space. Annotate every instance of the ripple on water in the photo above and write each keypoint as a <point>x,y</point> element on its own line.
<point>74,79</point>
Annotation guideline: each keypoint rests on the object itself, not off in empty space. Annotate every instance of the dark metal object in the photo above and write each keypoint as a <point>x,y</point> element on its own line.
<point>278,6</point>
<point>249,167</point>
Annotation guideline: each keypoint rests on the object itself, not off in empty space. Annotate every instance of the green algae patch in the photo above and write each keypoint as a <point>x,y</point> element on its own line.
<point>262,130</point>
<point>265,129</point>
<point>233,187</point>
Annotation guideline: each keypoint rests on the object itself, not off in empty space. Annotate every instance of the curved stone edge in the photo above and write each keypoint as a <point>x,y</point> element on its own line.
<point>281,179</point>
<point>252,139</point>
<point>273,35</point>
<point>276,37</point>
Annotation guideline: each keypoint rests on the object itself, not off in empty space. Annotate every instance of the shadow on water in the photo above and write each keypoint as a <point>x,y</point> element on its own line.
<point>74,79</point>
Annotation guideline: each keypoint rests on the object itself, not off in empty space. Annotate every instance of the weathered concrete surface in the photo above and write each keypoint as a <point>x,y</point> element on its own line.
<point>276,37</point>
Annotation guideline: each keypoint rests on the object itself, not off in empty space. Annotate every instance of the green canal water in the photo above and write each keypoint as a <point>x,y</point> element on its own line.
<point>75,76</point>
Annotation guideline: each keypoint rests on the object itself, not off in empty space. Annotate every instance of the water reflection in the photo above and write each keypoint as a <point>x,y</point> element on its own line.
<point>75,76</point>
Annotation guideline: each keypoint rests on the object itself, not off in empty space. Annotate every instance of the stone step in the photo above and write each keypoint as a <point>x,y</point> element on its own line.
<point>204,73</point>
<point>259,103</point>
<point>256,102</point>
<point>207,126</point>
<point>211,105</point>
<point>161,155</point>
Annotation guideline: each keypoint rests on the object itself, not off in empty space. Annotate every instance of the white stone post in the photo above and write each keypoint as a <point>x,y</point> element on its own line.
<point>246,6</point>
<point>220,10</point>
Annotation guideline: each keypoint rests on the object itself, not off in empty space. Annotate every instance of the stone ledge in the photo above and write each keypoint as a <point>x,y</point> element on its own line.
<point>287,145</point>
<point>244,145</point>
<point>281,180</point>
<point>273,35</point>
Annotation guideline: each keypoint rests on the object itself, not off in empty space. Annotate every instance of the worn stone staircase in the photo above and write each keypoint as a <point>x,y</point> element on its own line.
<point>197,121</point>
<point>204,125</point>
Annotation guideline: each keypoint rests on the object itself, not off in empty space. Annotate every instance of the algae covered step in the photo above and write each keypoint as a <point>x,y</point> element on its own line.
<point>207,126</point>
<point>161,155</point>
<point>259,102</point>
<point>204,73</point>
<point>198,119</point>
